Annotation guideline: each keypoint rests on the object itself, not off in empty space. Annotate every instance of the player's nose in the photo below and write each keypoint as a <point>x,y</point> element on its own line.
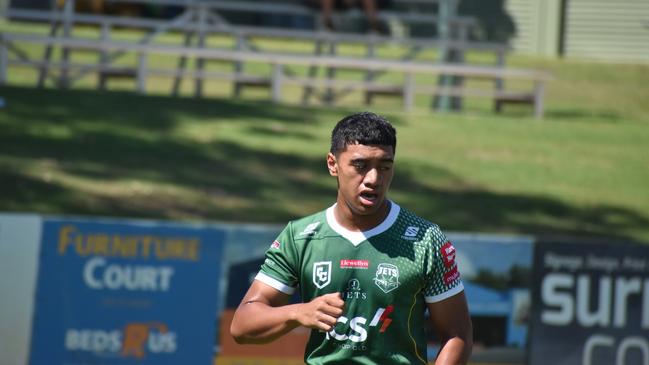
<point>372,178</point>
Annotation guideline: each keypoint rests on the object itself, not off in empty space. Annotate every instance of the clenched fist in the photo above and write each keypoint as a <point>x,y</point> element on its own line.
<point>321,313</point>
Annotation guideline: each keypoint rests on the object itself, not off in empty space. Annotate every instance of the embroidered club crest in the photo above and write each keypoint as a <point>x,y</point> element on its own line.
<point>387,277</point>
<point>353,285</point>
<point>321,274</point>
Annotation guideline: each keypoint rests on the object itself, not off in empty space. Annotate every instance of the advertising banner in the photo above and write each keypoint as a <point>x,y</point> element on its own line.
<point>116,293</point>
<point>120,292</point>
<point>590,304</point>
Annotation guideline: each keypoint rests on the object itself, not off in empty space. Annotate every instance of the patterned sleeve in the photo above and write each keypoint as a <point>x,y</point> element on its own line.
<point>279,269</point>
<point>442,276</point>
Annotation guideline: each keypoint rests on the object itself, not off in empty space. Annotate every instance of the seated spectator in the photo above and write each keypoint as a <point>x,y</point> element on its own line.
<point>370,7</point>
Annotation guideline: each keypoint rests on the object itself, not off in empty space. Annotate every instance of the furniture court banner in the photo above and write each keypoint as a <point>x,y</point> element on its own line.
<point>590,304</point>
<point>118,292</point>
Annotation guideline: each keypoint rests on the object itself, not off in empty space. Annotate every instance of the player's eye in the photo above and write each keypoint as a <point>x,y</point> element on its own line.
<point>359,165</point>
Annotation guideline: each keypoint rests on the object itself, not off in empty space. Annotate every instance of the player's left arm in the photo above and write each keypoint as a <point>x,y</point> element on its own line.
<point>452,325</point>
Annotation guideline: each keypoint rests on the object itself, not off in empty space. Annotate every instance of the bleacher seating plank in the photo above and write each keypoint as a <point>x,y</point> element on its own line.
<point>279,60</point>
<point>200,19</point>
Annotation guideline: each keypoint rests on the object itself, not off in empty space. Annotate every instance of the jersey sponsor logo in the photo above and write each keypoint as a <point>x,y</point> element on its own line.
<point>275,245</point>
<point>310,230</point>
<point>448,254</point>
<point>355,329</point>
<point>354,264</point>
<point>354,291</point>
<point>381,316</point>
<point>410,233</point>
<point>321,274</point>
<point>387,277</point>
<point>451,276</point>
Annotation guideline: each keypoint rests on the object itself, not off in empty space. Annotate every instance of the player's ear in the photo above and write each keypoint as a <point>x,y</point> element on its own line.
<point>332,164</point>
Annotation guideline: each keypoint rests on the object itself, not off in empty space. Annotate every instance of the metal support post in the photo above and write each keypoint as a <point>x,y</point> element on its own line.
<point>278,74</point>
<point>447,13</point>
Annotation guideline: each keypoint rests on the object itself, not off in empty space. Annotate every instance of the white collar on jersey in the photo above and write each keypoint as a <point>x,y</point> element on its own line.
<point>357,237</point>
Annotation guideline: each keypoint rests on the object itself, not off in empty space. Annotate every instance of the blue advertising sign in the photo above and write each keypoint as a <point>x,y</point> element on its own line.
<point>118,293</point>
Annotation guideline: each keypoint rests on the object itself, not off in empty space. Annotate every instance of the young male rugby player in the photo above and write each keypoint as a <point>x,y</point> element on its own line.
<point>366,268</point>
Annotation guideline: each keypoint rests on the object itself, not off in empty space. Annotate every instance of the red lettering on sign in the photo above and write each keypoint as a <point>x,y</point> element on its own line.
<point>135,337</point>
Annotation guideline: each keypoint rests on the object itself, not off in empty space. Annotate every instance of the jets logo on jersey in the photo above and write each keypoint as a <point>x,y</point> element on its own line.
<point>410,233</point>
<point>322,274</point>
<point>275,245</point>
<point>354,290</point>
<point>387,277</point>
<point>354,285</point>
<point>310,230</point>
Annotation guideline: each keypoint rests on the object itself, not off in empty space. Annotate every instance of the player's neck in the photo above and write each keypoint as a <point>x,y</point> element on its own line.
<point>355,222</point>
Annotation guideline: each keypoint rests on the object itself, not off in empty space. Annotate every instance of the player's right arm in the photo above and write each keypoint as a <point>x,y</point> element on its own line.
<point>264,314</point>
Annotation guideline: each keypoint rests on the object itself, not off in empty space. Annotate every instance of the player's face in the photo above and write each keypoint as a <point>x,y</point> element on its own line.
<point>364,175</point>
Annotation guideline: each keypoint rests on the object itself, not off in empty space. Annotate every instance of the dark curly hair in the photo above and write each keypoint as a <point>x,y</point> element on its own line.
<point>364,128</point>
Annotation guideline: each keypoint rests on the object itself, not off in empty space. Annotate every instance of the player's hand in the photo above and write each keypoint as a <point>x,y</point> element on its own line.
<point>321,313</point>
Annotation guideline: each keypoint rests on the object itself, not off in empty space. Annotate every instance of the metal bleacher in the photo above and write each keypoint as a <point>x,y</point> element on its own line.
<point>197,21</point>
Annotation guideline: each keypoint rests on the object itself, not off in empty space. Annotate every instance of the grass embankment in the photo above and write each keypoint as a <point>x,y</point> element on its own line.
<point>583,170</point>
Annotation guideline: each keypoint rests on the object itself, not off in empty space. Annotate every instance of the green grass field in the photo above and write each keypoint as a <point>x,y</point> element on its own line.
<point>584,170</point>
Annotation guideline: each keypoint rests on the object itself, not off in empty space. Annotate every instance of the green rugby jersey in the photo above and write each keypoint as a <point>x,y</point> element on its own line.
<point>385,275</point>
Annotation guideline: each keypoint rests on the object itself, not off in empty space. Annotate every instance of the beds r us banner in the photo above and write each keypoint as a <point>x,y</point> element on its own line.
<point>118,292</point>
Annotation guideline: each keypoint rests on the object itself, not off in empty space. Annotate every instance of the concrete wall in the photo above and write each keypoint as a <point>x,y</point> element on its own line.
<point>19,250</point>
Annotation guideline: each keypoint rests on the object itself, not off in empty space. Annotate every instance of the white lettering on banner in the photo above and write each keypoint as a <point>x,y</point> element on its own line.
<point>623,290</point>
<point>551,295</point>
<point>591,343</point>
<point>600,316</point>
<point>557,293</point>
<point>162,342</point>
<point>93,340</point>
<point>608,264</point>
<point>97,274</point>
<point>558,262</point>
<point>604,341</point>
<point>115,341</point>
<point>635,264</point>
